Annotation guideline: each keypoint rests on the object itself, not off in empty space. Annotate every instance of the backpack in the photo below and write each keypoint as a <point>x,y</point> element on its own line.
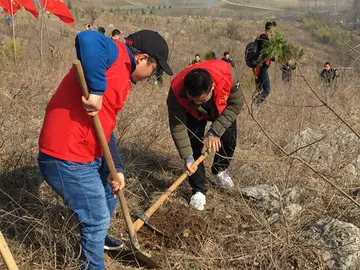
<point>251,54</point>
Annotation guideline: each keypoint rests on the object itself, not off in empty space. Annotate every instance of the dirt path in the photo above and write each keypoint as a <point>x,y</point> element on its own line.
<point>258,7</point>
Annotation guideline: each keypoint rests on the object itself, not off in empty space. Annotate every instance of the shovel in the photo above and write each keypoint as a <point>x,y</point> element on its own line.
<point>6,254</point>
<point>143,218</point>
<point>133,244</point>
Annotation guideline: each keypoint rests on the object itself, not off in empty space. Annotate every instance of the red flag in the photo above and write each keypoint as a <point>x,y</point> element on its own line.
<point>29,6</point>
<point>59,8</point>
<point>6,4</point>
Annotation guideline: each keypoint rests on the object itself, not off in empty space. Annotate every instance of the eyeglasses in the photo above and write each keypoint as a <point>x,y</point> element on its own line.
<point>156,70</point>
<point>202,99</point>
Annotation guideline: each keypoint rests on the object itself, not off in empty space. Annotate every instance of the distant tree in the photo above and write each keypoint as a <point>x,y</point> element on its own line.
<point>210,55</point>
<point>93,13</point>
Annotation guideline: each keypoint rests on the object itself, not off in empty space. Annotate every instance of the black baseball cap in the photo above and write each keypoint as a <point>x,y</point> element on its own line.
<point>153,44</point>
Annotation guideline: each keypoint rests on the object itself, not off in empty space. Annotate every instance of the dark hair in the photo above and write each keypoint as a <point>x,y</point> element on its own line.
<point>269,25</point>
<point>197,55</point>
<point>327,63</point>
<point>150,58</point>
<point>115,32</point>
<point>101,30</point>
<point>226,53</point>
<point>197,82</point>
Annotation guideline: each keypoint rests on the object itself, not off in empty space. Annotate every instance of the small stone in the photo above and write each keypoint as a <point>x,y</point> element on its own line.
<point>186,233</point>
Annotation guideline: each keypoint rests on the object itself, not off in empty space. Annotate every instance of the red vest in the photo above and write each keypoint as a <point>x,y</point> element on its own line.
<point>67,131</point>
<point>220,72</point>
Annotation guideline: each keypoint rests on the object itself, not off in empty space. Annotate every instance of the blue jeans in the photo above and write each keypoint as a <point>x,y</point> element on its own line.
<point>85,191</point>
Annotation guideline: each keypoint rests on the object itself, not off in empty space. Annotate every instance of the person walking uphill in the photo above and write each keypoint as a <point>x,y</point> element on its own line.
<point>329,75</point>
<point>70,157</point>
<point>227,59</point>
<point>261,70</point>
<point>198,94</point>
<point>286,72</point>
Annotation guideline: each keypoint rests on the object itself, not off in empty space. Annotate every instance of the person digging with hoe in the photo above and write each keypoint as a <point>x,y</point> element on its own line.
<point>198,94</point>
<point>70,156</point>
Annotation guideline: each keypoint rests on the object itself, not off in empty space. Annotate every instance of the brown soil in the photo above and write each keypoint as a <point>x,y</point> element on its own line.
<point>182,229</point>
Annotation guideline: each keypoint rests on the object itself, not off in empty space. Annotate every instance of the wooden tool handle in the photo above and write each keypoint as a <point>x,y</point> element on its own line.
<point>105,147</point>
<point>6,254</point>
<point>148,213</point>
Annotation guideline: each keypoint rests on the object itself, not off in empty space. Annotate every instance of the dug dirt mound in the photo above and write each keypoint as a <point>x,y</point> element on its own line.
<point>184,229</point>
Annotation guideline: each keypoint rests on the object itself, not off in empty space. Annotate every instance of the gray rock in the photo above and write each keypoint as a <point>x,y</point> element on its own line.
<point>292,211</point>
<point>305,137</point>
<point>336,147</point>
<point>294,193</point>
<point>261,192</point>
<point>337,242</point>
<point>275,217</point>
<point>273,203</point>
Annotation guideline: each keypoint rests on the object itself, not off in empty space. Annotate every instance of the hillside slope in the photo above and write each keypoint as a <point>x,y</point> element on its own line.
<point>262,223</point>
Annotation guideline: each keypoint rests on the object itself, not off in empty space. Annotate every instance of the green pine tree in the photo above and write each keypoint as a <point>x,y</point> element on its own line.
<point>280,49</point>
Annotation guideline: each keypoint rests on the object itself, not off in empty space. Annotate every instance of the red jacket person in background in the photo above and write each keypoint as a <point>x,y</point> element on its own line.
<point>70,157</point>
<point>198,94</point>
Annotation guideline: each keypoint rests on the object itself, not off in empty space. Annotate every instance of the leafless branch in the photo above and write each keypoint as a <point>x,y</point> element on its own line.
<point>306,146</point>
<point>344,53</point>
<point>296,106</point>
<point>352,31</point>
<point>339,38</point>
<point>343,193</point>
<point>327,106</point>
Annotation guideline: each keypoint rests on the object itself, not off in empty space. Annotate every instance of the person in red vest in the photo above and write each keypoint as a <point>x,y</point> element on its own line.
<point>70,156</point>
<point>198,94</point>
<point>115,35</point>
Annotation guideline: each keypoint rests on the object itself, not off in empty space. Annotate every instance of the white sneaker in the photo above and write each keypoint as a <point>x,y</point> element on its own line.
<point>198,201</point>
<point>223,179</point>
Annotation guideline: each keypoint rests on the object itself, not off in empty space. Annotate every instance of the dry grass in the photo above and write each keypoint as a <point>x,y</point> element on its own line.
<point>232,233</point>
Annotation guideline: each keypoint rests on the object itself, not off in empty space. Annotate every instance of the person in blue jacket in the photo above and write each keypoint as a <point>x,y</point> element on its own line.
<point>70,157</point>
